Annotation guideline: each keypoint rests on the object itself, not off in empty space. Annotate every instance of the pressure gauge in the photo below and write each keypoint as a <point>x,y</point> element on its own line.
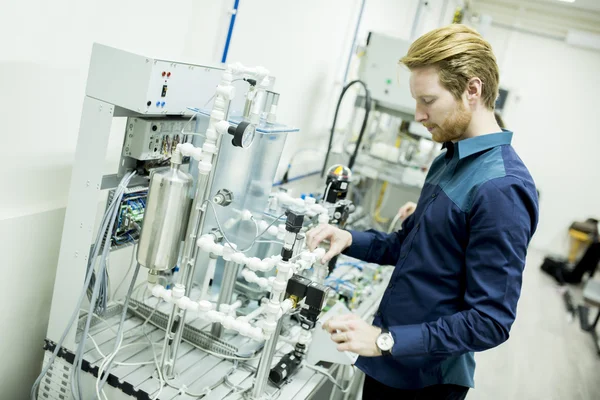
<point>243,134</point>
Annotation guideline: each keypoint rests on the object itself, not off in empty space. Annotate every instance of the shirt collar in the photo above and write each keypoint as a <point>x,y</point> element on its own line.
<point>477,144</point>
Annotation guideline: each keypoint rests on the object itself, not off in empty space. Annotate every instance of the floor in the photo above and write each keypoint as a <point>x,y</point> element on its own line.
<point>547,356</point>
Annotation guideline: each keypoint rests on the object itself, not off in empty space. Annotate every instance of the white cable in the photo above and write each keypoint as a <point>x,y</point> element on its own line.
<point>393,223</point>
<point>269,241</point>
<point>131,265</point>
<point>329,376</point>
<point>223,231</point>
<point>124,347</point>
<point>161,381</point>
<point>114,209</point>
<point>326,192</point>
<point>121,325</point>
<point>109,357</point>
<point>208,389</point>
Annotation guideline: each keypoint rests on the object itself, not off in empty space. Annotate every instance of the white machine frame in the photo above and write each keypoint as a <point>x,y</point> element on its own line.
<point>123,84</point>
<point>120,88</point>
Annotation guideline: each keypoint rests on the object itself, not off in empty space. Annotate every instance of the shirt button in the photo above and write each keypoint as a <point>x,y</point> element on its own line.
<point>402,255</point>
<point>378,314</point>
<point>390,286</point>
<point>433,195</point>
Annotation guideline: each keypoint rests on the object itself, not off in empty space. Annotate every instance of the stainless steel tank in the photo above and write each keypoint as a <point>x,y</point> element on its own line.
<point>165,219</point>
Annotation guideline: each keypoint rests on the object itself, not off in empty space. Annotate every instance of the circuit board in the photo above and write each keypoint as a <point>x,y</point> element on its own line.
<point>128,225</point>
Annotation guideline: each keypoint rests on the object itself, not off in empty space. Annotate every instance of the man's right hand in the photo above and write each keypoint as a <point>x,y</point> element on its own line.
<point>339,240</point>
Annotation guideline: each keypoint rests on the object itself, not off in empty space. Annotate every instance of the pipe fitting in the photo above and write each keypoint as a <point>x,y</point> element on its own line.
<point>283,267</point>
<point>178,291</point>
<point>228,251</point>
<point>228,92</point>
<point>217,115</point>
<point>209,148</point>
<point>204,167</point>
<point>239,258</point>
<point>204,306</point>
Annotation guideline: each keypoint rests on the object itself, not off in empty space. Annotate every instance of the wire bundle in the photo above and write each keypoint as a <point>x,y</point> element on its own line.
<point>106,228</point>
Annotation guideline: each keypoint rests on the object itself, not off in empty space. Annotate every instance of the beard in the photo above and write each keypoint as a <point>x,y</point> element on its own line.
<point>454,127</point>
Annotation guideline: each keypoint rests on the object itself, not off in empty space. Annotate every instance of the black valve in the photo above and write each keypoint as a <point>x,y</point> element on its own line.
<point>243,134</point>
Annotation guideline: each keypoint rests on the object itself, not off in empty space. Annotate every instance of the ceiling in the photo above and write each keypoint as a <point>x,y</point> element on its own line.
<point>548,17</point>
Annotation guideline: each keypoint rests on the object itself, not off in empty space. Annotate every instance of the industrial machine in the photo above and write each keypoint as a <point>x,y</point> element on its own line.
<point>391,151</point>
<point>222,295</point>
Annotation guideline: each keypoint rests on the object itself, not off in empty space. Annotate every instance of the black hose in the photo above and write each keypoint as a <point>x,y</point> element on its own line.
<point>363,128</point>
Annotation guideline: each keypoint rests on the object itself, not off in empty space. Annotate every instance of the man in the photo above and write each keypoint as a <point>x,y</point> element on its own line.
<point>459,257</point>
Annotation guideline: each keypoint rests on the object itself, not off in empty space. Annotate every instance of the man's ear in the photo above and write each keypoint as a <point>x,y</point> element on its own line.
<point>474,89</point>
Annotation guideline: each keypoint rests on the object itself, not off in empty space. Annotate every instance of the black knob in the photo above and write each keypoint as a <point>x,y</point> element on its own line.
<point>238,133</point>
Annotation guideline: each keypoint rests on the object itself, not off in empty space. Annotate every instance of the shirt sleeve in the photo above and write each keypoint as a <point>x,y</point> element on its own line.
<point>379,247</point>
<point>502,220</point>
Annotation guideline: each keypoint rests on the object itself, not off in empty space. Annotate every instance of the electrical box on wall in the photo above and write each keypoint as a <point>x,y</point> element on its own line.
<point>146,85</point>
<point>387,81</point>
<point>148,139</point>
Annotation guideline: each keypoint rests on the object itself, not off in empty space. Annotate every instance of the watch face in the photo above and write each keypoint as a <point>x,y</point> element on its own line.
<point>385,342</point>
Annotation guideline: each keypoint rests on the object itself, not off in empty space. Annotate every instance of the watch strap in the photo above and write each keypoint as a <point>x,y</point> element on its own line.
<point>385,353</point>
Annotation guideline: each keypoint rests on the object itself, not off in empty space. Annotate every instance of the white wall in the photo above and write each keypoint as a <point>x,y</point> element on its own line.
<point>553,111</point>
<point>43,69</point>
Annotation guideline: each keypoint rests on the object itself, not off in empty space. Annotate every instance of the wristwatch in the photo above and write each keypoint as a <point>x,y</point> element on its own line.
<point>385,342</point>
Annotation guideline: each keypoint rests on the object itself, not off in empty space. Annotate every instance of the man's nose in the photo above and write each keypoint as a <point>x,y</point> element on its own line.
<point>420,115</point>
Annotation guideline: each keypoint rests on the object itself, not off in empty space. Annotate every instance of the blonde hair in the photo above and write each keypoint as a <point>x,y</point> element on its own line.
<point>459,53</point>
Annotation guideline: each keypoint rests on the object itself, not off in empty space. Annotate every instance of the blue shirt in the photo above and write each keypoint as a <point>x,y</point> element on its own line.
<point>459,263</point>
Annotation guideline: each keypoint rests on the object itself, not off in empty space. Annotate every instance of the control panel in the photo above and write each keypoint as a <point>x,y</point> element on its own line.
<point>387,81</point>
<point>153,139</point>
<point>146,85</point>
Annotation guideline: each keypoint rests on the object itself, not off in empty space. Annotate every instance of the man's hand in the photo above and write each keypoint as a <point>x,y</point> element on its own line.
<point>406,210</point>
<point>353,334</point>
<point>338,239</point>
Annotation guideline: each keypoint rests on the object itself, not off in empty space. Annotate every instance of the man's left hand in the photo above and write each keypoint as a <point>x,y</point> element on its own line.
<point>353,334</point>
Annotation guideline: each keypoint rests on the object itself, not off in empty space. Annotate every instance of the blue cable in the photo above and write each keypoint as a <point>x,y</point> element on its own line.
<point>297,178</point>
<point>230,32</point>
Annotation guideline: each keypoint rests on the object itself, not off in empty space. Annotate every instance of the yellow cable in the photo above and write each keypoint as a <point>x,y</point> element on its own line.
<point>378,217</point>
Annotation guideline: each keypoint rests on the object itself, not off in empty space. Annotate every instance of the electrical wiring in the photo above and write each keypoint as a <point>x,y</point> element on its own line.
<point>99,318</point>
<point>207,390</point>
<point>114,209</point>
<point>329,376</point>
<point>213,207</point>
<point>276,219</point>
<point>285,178</point>
<point>362,129</point>
<point>124,347</point>
<point>393,223</point>
<point>327,192</point>
<point>161,380</point>
<point>269,241</point>
<point>107,357</point>
<point>120,331</point>
<point>131,264</point>
<point>226,357</point>
<point>214,95</point>
<point>88,277</point>
<point>154,355</point>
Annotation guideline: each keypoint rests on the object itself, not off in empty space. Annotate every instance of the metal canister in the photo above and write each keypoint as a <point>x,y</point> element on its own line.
<point>165,218</point>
